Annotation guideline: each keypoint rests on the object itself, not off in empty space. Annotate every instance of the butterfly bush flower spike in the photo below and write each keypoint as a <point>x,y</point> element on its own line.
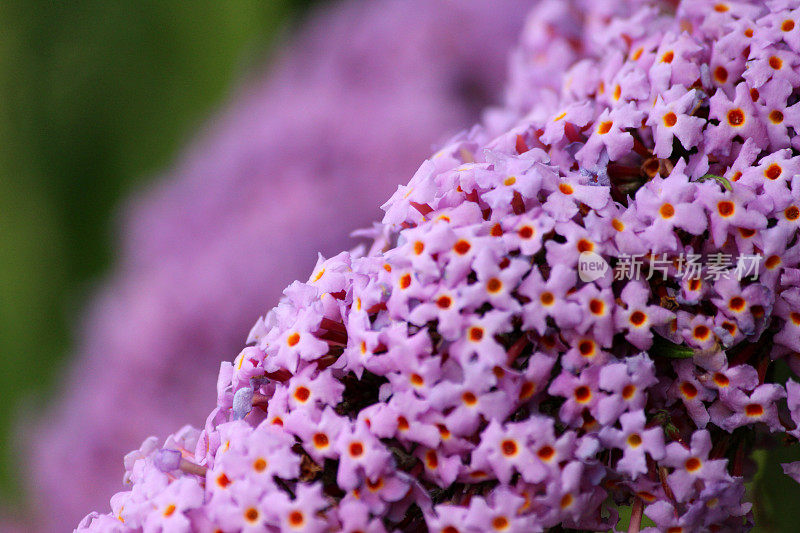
<point>470,372</point>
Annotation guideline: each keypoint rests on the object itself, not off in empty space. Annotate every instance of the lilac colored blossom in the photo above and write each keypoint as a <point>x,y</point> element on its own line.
<point>670,120</point>
<point>691,392</point>
<point>639,318</point>
<point>635,441</point>
<point>647,390</point>
<point>692,463</point>
<point>670,205</point>
<point>738,408</point>
<point>627,381</point>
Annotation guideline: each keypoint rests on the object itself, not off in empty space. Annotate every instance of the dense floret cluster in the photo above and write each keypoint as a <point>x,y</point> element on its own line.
<point>309,139</point>
<point>593,309</point>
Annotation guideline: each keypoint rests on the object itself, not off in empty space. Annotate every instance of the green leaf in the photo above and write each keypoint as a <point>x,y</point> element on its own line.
<point>625,518</point>
<point>664,348</point>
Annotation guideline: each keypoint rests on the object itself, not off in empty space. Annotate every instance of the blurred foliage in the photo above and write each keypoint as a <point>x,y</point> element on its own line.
<point>774,493</point>
<point>95,97</point>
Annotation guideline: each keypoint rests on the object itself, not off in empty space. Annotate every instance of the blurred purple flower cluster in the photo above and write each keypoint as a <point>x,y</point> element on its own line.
<point>302,156</point>
<point>469,372</point>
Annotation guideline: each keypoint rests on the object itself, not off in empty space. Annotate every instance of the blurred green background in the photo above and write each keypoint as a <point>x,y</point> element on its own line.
<point>95,98</point>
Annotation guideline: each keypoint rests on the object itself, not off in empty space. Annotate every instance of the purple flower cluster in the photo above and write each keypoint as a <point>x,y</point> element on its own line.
<point>461,375</point>
<point>345,113</point>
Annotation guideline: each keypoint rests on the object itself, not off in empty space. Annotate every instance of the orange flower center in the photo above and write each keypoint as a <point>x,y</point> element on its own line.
<point>525,232</point>
<point>252,514</point>
<point>527,390</point>
<point>546,453</point>
<point>688,390</point>
<point>692,464</point>
<point>469,398</point>
<point>321,440</point>
<point>737,303</point>
<point>725,208</point>
<point>585,246</point>
<point>634,440</point>
<point>736,117</point>
<point>500,523</point>
<point>773,172</point>
<point>772,262</point>
<point>701,332</point>
<point>443,302</point>
<point>586,347</point>
<point>638,318</point>
<point>402,423</point>
<point>431,459</point>
<point>301,394</point>
<point>583,394</point>
<point>566,501</point>
<point>293,339</point>
<point>462,247</point>
<point>509,448</point>
<point>475,334</point>
<point>356,449</point>
<point>494,285</point>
